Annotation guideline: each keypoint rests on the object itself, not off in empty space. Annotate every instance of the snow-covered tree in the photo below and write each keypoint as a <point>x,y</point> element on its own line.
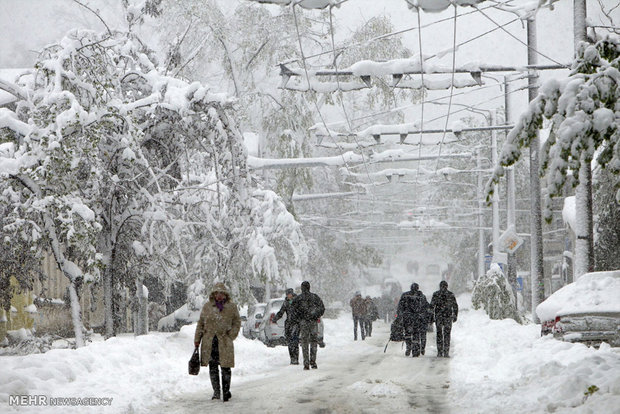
<point>493,293</point>
<point>112,161</point>
<point>607,221</point>
<point>584,118</point>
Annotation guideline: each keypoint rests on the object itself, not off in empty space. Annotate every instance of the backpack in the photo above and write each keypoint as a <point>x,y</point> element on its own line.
<point>397,330</point>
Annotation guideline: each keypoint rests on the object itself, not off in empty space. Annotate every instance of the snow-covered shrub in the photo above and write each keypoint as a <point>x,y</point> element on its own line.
<point>493,293</point>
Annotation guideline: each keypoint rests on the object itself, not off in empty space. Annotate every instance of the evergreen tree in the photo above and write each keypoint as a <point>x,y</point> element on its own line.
<point>493,293</point>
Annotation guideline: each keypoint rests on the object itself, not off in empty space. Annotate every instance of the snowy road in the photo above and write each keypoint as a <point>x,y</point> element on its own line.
<point>496,367</point>
<point>355,377</point>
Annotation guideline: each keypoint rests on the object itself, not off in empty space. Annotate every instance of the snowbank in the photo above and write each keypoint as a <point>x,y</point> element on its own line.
<point>135,372</point>
<point>501,366</point>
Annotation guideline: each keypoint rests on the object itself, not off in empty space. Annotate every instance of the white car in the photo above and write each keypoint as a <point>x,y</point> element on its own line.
<point>255,317</point>
<point>272,333</point>
<point>587,310</point>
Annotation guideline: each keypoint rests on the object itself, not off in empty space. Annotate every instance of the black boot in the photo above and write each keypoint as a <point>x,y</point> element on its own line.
<point>214,373</point>
<point>226,375</point>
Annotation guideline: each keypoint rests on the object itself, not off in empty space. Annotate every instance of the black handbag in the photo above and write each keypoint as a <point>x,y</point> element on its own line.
<point>397,332</point>
<point>193,366</point>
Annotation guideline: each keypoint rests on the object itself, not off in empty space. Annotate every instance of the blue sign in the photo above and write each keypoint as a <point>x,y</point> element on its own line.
<point>488,259</point>
<point>520,283</point>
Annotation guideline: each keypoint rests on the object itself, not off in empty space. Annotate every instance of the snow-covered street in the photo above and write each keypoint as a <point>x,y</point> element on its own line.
<point>496,367</point>
<point>352,377</point>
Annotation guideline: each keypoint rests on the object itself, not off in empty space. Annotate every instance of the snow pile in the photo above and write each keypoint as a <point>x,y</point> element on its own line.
<point>135,371</point>
<point>596,292</point>
<point>501,366</point>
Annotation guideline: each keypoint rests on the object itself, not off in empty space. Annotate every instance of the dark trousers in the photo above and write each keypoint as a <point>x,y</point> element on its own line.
<point>412,340</point>
<point>368,326</point>
<point>292,340</point>
<point>214,373</point>
<point>443,337</point>
<point>423,340</point>
<point>309,335</point>
<point>358,320</point>
<point>415,339</point>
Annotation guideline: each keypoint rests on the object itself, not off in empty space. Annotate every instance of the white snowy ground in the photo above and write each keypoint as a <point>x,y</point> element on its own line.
<point>496,367</point>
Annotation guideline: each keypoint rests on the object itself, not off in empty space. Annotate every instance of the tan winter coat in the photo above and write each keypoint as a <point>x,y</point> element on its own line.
<point>225,325</point>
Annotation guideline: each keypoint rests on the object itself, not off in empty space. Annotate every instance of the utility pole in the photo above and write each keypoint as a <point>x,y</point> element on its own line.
<point>495,199</point>
<point>511,221</point>
<point>481,244</point>
<point>536,264</point>
<point>584,245</point>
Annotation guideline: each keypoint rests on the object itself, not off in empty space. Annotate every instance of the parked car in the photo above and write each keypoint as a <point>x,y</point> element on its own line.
<point>255,316</point>
<point>587,310</point>
<point>272,333</point>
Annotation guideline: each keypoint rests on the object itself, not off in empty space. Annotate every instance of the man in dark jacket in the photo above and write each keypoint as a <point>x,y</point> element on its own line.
<point>371,315</point>
<point>291,327</point>
<point>358,311</point>
<point>445,311</point>
<point>307,309</point>
<point>413,309</point>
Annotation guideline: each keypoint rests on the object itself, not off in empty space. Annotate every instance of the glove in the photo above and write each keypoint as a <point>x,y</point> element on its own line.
<point>196,344</point>
<point>454,319</point>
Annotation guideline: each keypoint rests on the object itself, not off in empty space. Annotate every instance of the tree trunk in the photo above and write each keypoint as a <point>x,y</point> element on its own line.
<point>584,244</point>
<point>108,302</point>
<point>68,268</point>
<point>141,322</point>
<point>76,315</point>
<point>105,246</point>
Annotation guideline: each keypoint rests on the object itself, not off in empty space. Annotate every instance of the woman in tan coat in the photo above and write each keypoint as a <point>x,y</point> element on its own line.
<point>217,328</point>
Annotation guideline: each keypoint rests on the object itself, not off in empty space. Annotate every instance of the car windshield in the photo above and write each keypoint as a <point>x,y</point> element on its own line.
<point>277,304</point>
<point>259,309</point>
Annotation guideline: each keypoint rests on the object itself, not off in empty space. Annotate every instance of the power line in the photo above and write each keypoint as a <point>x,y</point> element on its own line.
<point>519,40</point>
<point>365,42</point>
<point>451,87</point>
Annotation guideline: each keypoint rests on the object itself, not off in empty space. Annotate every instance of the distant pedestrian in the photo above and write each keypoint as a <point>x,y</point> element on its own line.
<point>413,309</point>
<point>307,308</point>
<point>291,327</point>
<point>445,311</point>
<point>371,315</point>
<point>358,311</point>
<point>217,328</point>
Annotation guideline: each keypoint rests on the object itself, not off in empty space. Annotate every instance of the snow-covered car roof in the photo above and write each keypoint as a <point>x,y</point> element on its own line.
<point>596,292</point>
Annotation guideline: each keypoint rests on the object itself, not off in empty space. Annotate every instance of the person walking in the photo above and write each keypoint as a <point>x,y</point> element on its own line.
<point>291,327</point>
<point>307,308</point>
<point>358,310</point>
<point>371,315</point>
<point>445,311</point>
<point>216,330</point>
<point>413,308</point>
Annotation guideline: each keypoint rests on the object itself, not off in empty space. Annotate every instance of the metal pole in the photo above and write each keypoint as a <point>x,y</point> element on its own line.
<point>481,241</point>
<point>495,199</point>
<point>584,244</point>
<point>511,220</point>
<point>536,241</point>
